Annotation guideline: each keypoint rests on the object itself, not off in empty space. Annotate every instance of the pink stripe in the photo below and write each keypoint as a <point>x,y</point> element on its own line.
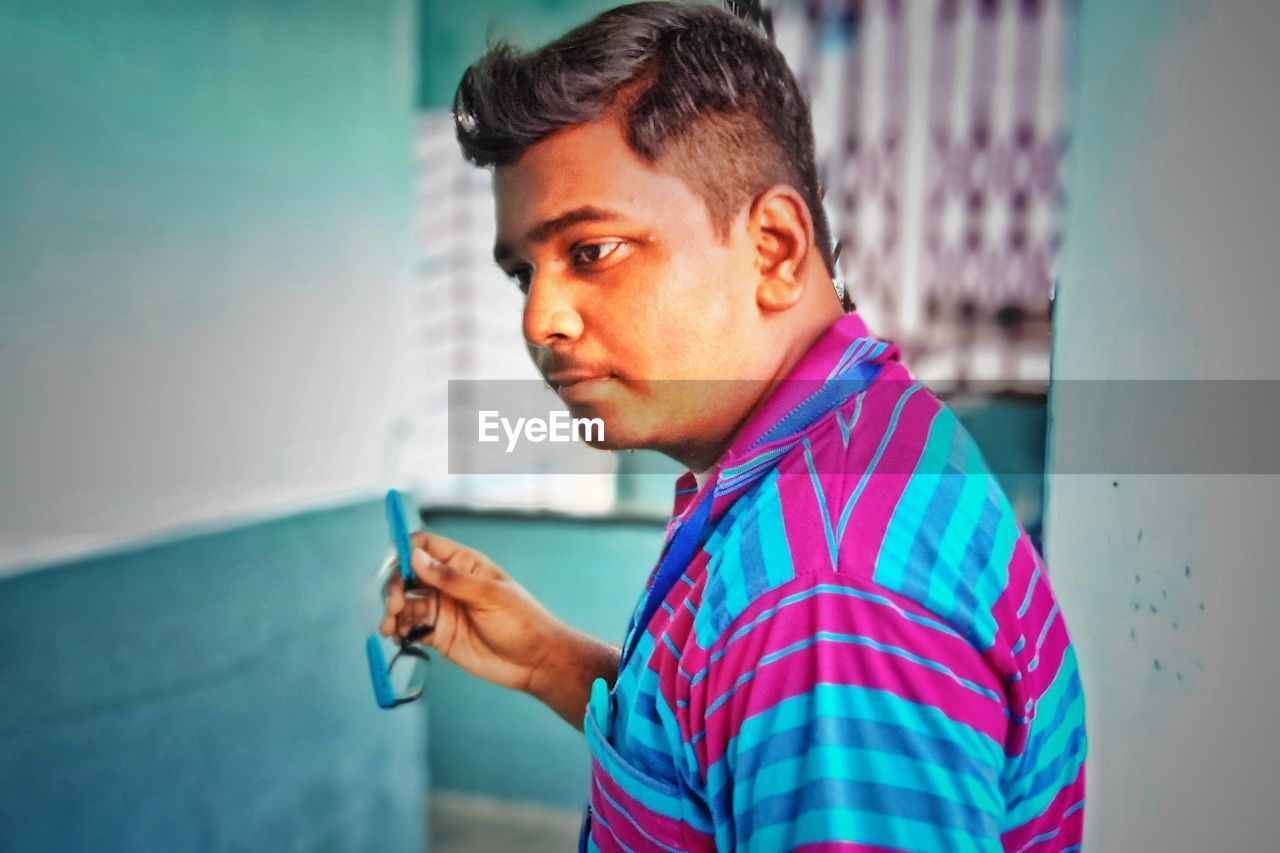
<point>840,663</point>
<point>1048,650</point>
<point>865,531</point>
<point>796,621</point>
<point>624,817</point>
<point>1022,565</point>
<point>1053,648</point>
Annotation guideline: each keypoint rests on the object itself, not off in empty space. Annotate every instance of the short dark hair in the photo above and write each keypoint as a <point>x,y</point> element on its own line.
<point>690,81</point>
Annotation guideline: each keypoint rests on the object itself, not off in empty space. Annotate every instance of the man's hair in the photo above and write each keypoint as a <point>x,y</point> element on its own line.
<point>697,89</point>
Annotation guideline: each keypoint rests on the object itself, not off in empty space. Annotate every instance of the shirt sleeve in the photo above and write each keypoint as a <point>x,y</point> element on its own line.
<point>837,715</point>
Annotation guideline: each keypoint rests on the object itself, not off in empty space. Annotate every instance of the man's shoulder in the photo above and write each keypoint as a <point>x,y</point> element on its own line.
<point>889,491</point>
<point>918,510</point>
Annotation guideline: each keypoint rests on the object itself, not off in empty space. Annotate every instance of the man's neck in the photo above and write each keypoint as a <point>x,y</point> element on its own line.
<point>702,464</point>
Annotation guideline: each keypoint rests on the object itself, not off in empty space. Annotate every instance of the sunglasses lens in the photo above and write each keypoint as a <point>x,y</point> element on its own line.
<point>408,674</point>
<point>398,665</point>
<point>426,602</point>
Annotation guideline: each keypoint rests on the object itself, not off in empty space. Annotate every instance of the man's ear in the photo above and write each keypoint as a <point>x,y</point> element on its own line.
<point>782,230</point>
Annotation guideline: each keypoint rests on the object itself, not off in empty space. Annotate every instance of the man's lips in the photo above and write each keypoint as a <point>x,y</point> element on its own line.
<point>579,386</point>
<point>569,378</point>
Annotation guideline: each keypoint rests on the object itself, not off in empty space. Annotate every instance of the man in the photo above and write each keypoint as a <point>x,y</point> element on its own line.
<point>849,641</point>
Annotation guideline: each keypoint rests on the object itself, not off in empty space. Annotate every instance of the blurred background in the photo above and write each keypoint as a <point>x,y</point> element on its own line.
<point>241,258</point>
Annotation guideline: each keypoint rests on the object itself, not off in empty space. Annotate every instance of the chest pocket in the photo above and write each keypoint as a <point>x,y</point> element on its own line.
<point>630,810</point>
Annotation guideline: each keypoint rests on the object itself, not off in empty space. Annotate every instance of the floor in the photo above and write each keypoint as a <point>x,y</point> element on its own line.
<point>462,823</point>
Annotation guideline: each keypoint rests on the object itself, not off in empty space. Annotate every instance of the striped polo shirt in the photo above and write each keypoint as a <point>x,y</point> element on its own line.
<point>863,652</point>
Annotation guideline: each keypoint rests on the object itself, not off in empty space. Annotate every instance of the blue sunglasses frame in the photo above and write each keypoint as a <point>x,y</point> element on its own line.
<point>379,667</point>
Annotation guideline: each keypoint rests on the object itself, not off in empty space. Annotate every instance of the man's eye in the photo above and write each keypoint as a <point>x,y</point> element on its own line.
<point>522,278</point>
<point>587,254</point>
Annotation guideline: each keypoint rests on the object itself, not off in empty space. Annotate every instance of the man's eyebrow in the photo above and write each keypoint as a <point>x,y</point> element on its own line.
<point>545,230</point>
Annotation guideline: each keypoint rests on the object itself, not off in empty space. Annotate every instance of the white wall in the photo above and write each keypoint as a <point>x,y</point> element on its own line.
<point>1169,583</point>
<point>205,260</point>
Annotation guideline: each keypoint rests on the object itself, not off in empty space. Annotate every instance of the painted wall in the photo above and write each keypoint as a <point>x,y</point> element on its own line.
<point>453,35</point>
<point>210,693</point>
<point>1167,581</point>
<point>205,226</point>
<point>205,243</point>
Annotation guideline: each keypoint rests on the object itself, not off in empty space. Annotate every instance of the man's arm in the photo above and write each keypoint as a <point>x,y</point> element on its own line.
<point>489,625</point>
<point>563,682</point>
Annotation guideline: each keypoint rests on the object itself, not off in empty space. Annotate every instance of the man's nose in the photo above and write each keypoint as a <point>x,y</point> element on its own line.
<point>550,313</point>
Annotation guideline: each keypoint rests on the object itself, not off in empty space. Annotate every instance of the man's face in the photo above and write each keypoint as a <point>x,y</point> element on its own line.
<point>629,289</point>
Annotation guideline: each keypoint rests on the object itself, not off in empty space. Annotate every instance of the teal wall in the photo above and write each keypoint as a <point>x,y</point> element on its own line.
<point>205,238</point>
<point>210,693</point>
<point>453,35</point>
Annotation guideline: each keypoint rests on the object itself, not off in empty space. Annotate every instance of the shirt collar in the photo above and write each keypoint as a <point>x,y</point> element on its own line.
<point>816,384</point>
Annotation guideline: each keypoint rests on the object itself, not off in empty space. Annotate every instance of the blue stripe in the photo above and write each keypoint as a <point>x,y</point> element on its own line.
<point>975,567</point>
<point>852,739</point>
<point>866,827</point>
<point>775,547</point>
<point>846,429</point>
<point>883,799</point>
<point>929,542</point>
<point>755,580</point>
<point>1044,632</point>
<point>1057,730</point>
<point>1044,836</point>
<point>851,354</point>
<point>881,720</point>
<point>1031,590</point>
<point>740,475</point>
<point>786,774</point>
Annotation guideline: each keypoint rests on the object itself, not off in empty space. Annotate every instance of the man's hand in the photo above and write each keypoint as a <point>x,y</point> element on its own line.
<point>489,625</point>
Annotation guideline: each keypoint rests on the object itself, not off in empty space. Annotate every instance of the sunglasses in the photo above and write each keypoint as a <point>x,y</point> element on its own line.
<point>401,679</point>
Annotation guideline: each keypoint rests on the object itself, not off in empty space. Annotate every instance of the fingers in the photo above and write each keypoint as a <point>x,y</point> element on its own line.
<point>395,599</point>
<point>392,601</point>
<point>454,581</point>
<point>412,613</point>
<point>455,555</point>
<point>416,614</point>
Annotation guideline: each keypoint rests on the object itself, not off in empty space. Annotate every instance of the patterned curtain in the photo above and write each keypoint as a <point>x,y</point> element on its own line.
<point>941,126</point>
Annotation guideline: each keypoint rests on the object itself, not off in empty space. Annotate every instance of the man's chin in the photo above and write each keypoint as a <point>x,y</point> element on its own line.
<point>619,432</point>
<point>631,421</point>
<point>616,436</point>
